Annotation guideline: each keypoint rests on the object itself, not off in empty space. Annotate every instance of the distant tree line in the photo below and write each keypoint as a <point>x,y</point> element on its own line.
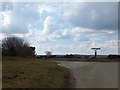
<point>61,56</point>
<point>15,46</point>
<point>113,56</point>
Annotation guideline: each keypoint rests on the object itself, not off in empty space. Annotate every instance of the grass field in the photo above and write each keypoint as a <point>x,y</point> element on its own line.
<point>33,73</point>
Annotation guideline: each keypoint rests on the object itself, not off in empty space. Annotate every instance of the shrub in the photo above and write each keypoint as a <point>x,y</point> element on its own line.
<point>15,46</point>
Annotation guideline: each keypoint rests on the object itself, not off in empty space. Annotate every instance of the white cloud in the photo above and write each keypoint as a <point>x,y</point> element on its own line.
<point>45,8</point>
<point>5,17</point>
<point>18,17</point>
<point>2,36</point>
<point>56,32</point>
<point>110,47</point>
<point>49,25</point>
<point>93,15</point>
<point>80,44</point>
<point>61,1</point>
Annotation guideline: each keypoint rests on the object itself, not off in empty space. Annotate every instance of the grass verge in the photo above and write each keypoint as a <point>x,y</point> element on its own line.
<point>18,72</point>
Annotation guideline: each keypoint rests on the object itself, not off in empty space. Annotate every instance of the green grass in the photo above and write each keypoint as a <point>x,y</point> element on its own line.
<point>33,73</point>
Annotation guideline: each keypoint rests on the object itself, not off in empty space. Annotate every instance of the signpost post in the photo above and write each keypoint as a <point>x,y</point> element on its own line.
<point>95,49</point>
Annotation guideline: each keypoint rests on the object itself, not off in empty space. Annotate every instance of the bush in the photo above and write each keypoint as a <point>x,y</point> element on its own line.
<point>15,46</point>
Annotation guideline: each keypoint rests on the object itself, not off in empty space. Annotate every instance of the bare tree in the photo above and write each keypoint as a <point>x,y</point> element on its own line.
<point>12,45</point>
<point>48,53</point>
<point>0,51</point>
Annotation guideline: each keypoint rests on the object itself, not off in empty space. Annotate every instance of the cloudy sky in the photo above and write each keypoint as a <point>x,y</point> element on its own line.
<point>63,27</point>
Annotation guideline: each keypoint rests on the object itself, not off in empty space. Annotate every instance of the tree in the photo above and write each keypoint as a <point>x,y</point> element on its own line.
<point>48,53</point>
<point>0,53</point>
<point>15,46</point>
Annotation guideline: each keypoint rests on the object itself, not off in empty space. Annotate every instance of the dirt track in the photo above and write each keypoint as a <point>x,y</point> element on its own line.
<point>94,74</point>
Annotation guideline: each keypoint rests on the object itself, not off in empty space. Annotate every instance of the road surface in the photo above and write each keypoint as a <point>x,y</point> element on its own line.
<point>93,74</point>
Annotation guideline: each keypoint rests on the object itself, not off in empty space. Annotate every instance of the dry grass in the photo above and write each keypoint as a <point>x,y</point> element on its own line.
<point>33,73</point>
<point>84,59</point>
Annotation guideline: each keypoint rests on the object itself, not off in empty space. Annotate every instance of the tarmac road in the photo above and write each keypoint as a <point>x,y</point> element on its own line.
<point>93,74</point>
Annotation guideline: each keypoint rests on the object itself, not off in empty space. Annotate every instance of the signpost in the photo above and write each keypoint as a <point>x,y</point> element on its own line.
<point>95,49</point>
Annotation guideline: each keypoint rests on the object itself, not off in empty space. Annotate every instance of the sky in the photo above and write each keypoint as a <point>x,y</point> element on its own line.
<point>63,27</point>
